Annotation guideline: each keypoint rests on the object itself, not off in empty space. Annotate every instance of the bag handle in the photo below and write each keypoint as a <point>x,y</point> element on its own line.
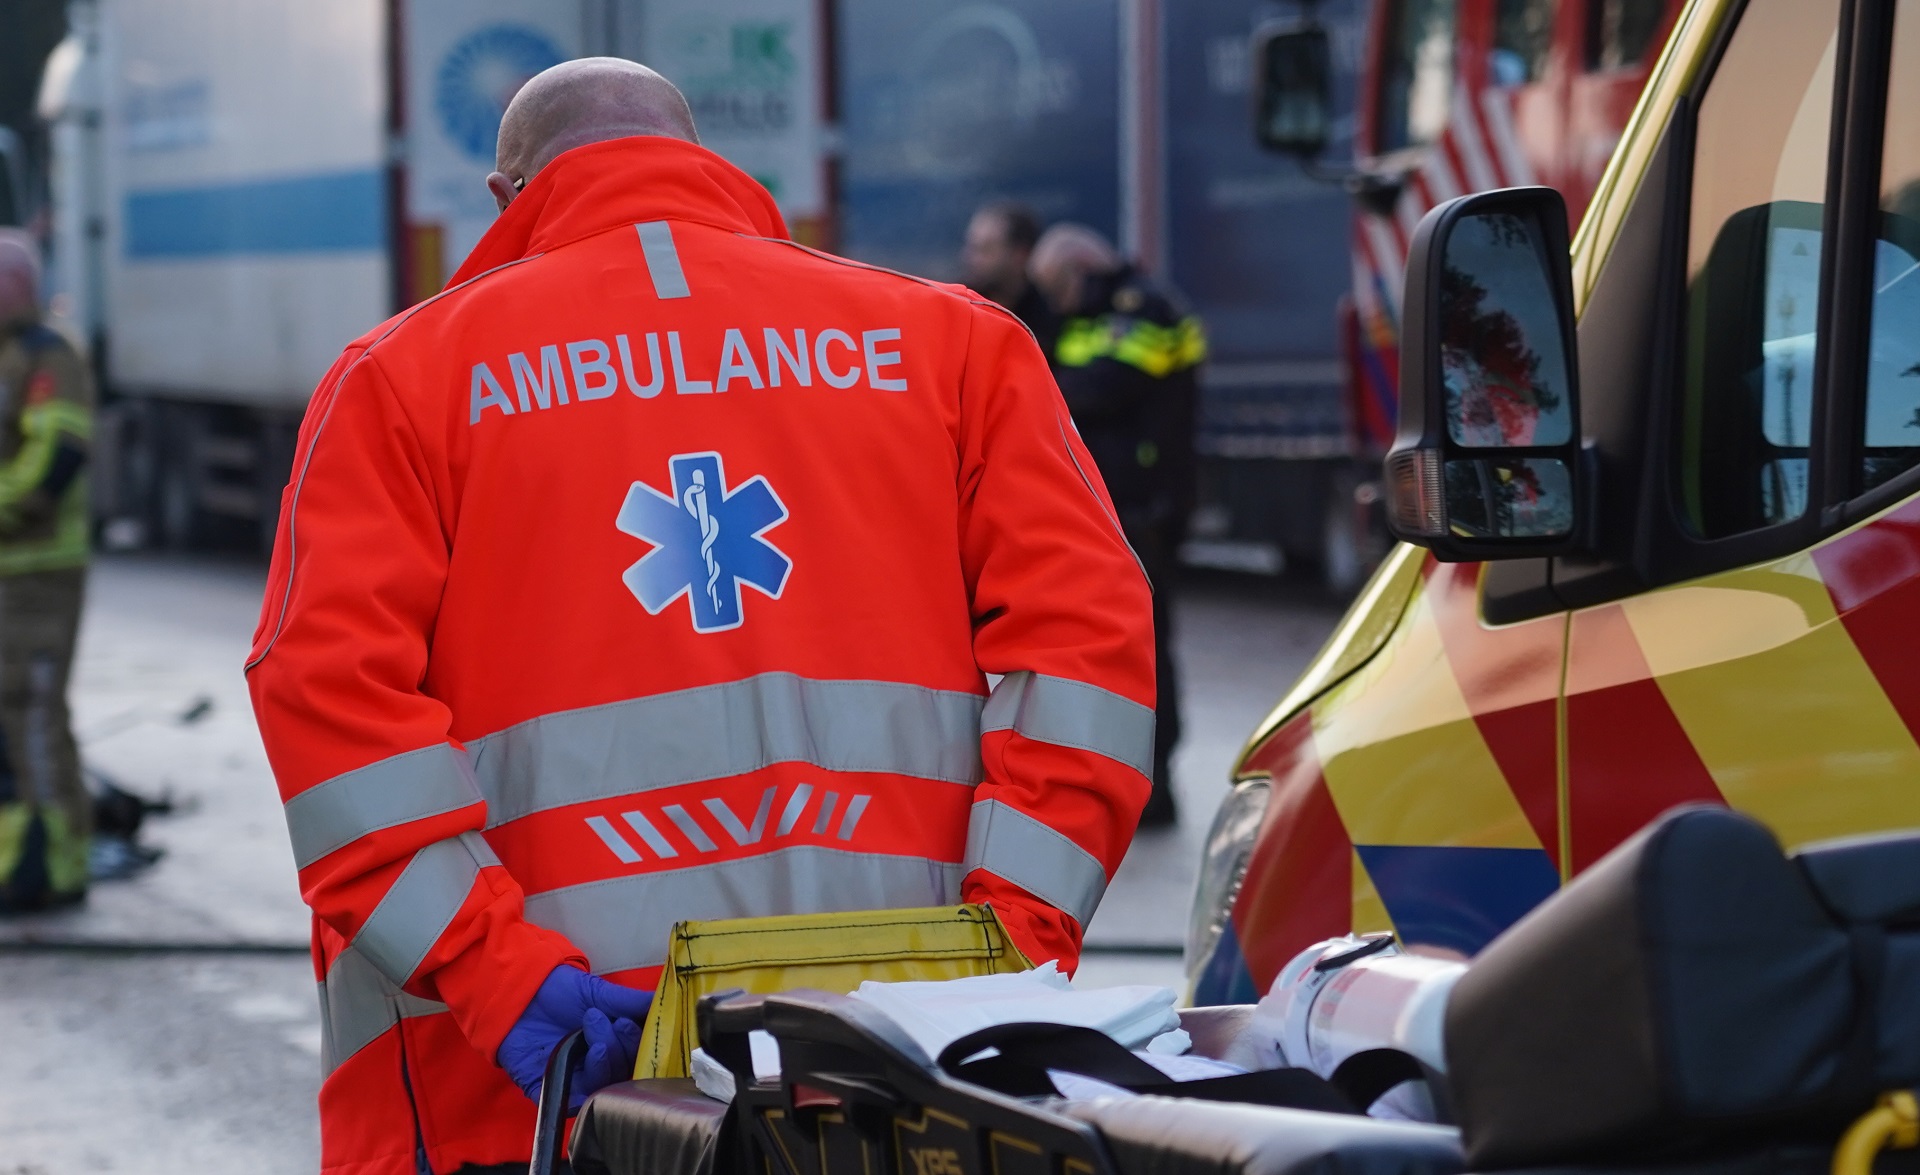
<point>1027,1051</point>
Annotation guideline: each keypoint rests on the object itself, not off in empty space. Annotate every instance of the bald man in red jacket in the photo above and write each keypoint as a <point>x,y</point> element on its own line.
<point>654,571</point>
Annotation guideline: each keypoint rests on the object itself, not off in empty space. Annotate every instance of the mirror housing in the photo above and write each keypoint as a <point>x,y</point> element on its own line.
<point>1292,88</point>
<point>1487,462</point>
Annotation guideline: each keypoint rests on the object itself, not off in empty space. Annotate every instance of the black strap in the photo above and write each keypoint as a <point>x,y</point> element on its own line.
<point>1024,1053</point>
<point>1364,1077</point>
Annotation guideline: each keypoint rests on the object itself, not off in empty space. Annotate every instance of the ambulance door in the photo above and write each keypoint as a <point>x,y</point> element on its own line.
<point>1778,669</point>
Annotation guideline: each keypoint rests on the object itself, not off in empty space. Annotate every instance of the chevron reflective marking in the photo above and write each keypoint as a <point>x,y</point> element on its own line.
<point>796,804</point>
<point>690,828</point>
<point>645,830</point>
<point>623,923</point>
<point>603,829</point>
<point>741,833</point>
<point>824,818</point>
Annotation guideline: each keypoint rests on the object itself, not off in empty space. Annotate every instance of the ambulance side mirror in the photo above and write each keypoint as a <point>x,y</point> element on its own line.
<point>1292,88</point>
<point>1487,461</point>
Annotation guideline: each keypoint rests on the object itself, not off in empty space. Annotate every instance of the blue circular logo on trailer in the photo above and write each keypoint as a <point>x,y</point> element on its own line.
<point>480,75</point>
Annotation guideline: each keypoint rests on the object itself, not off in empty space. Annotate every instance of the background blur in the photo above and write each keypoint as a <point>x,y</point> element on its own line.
<point>230,190</point>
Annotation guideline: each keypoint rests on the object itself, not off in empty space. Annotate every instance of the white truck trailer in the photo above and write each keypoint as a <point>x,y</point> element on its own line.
<point>241,187</point>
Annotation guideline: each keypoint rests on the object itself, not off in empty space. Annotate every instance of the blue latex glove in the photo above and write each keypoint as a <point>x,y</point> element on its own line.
<point>571,999</point>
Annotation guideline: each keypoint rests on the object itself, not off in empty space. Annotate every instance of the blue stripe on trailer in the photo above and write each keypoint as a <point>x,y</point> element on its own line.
<point>333,213</point>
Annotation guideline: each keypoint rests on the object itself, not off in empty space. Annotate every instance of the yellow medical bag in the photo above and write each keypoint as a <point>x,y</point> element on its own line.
<point>826,952</point>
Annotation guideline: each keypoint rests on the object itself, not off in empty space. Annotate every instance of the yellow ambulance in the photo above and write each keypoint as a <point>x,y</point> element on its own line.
<point>1658,491</point>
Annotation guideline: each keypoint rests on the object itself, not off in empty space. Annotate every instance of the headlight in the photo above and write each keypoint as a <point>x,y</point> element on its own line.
<point>1224,866</point>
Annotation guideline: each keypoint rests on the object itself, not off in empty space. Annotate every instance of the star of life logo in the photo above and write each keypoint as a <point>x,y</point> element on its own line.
<point>707,542</point>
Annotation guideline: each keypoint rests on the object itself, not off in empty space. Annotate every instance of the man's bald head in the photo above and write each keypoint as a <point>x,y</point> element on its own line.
<point>1064,257</point>
<point>578,102</point>
<point>19,276</point>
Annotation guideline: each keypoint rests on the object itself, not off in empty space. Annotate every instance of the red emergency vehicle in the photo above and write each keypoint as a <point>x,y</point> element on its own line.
<point>1456,96</point>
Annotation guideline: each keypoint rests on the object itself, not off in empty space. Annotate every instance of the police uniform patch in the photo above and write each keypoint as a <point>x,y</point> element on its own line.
<point>1129,300</point>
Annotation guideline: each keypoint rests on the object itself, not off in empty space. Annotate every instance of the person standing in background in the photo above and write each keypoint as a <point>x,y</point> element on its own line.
<point>1127,359</point>
<point>46,413</point>
<point>994,259</point>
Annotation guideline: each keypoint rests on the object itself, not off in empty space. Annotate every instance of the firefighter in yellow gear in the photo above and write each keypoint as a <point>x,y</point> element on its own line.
<point>46,412</point>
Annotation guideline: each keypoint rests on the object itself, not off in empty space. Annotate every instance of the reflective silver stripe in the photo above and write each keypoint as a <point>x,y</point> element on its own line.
<point>603,828</point>
<point>625,922</point>
<point>719,731</point>
<point>1010,844</point>
<point>1070,713</point>
<point>358,1004</point>
<point>430,891</point>
<point>663,260</point>
<point>431,781</point>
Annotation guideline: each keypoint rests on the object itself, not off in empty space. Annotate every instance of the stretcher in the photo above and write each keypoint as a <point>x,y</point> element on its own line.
<point>1698,1003</point>
<point>856,1097</point>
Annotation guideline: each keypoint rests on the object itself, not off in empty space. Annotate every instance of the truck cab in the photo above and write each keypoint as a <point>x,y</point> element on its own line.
<point>1661,491</point>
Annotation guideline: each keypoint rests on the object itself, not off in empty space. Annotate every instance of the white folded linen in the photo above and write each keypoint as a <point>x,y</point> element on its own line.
<point>935,1014</point>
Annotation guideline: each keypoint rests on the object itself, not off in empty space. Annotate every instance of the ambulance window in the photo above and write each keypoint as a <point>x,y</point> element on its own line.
<point>1522,38</point>
<point>1621,32</point>
<point>1753,269</point>
<point>1892,423</point>
<point>1416,78</point>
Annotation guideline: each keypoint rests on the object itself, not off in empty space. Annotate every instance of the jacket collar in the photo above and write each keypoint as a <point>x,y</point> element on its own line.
<point>623,181</point>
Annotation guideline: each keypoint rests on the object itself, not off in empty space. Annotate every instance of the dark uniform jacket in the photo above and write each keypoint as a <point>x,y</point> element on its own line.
<point>1128,363</point>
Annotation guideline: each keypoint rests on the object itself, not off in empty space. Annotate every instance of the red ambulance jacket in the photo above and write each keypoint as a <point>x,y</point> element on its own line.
<point>652,572</point>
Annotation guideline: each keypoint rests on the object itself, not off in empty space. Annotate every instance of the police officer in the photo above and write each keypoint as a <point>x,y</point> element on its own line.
<point>46,404</point>
<point>1127,359</point>
<point>655,571</point>
<point>994,261</point>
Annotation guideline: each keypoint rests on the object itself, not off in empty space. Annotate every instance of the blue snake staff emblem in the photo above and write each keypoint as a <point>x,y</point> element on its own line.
<point>707,541</point>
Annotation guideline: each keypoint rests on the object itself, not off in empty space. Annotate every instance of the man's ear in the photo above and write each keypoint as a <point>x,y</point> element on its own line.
<point>502,189</point>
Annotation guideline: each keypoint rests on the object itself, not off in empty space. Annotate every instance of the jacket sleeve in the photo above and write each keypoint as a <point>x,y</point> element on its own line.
<point>1061,611</point>
<point>380,802</point>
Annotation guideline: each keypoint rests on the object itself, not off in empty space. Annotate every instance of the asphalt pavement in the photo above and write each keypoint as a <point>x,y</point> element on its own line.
<point>170,1025</point>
